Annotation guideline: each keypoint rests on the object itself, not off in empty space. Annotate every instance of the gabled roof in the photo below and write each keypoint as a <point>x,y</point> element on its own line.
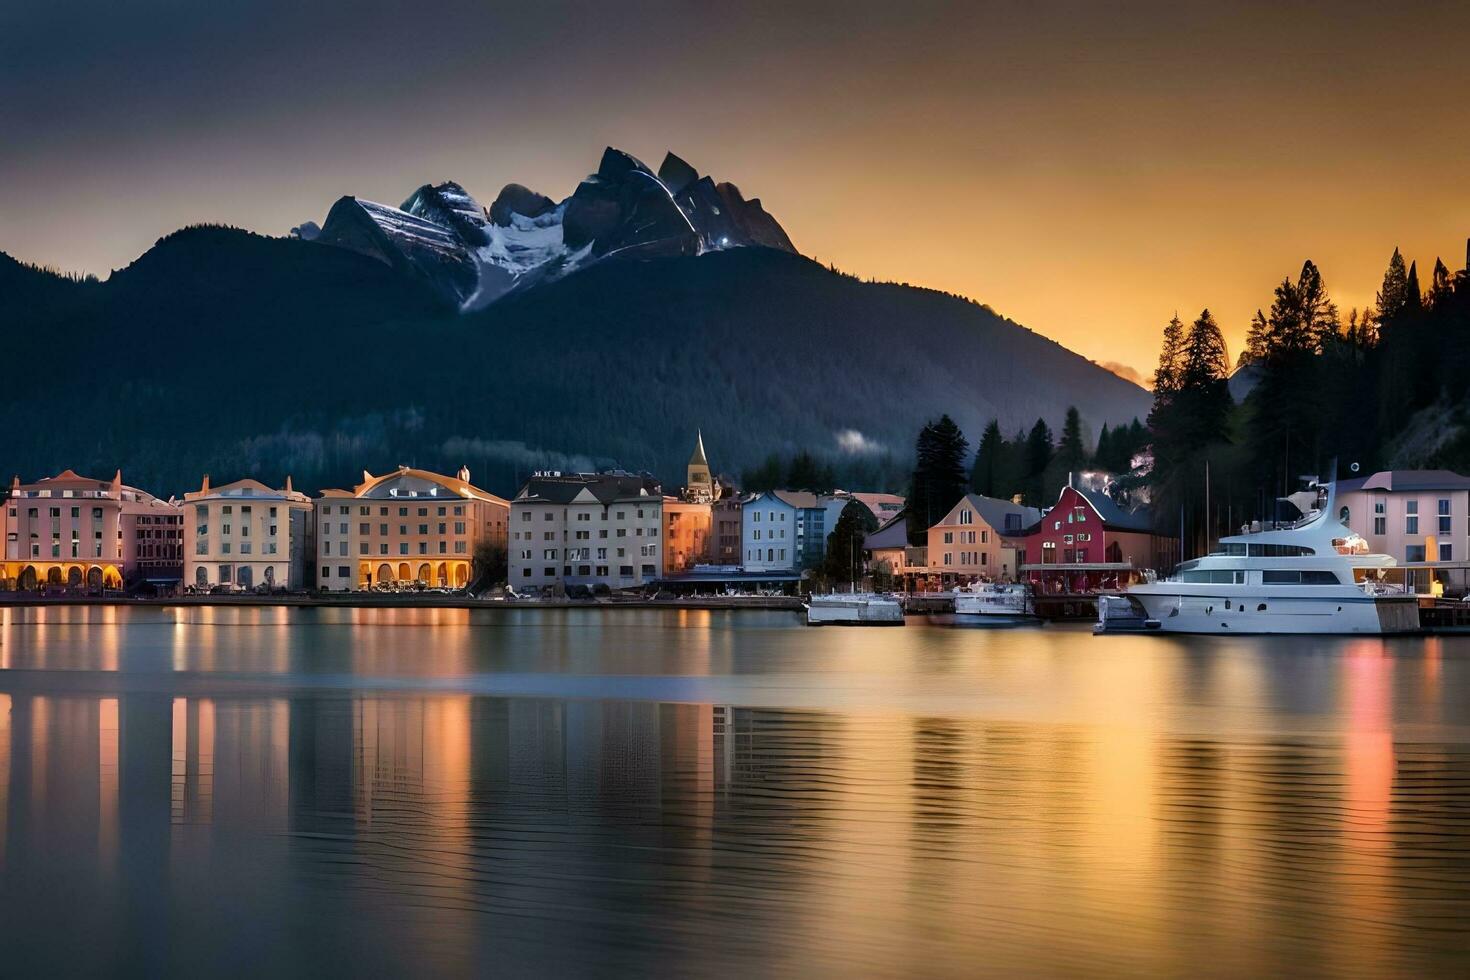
<point>994,511</point>
<point>893,534</point>
<point>1114,516</point>
<point>605,488</point>
<point>1406,481</point>
<point>457,487</point>
<point>800,499</point>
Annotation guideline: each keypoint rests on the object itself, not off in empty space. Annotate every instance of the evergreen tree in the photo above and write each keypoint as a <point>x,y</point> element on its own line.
<point>1103,455</point>
<point>1070,457</point>
<point>844,558</point>
<point>1413,300</point>
<point>939,478</point>
<point>806,472</point>
<point>1255,340</point>
<point>1168,369</point>
<point>1038,456</point>
<point>1393,294</point>
<point>988,461</point>
<point>1439,288</point>
<point>1191,423</point>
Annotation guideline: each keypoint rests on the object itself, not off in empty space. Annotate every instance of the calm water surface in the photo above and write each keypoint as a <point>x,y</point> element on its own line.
<point>252,791</point>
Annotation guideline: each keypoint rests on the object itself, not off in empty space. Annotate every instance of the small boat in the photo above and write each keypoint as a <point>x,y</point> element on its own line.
<point>853,609</point>
<point>1122,614</point>
<point>993,604</point>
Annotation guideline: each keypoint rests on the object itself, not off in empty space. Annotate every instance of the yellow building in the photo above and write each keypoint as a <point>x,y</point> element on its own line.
<point>405,527</point>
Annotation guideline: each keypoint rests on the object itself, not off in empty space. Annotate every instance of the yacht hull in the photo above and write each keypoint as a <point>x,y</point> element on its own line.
<point>1323,615</point>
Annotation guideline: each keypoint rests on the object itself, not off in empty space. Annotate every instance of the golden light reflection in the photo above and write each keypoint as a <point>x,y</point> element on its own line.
<point>5,743</point>
<point>107,781</point>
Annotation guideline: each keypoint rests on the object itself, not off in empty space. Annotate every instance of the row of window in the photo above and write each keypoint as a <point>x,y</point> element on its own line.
<point>620,532</point>
<point>365,511</point>
<point>968,558</point>
<point>366,529</point>
<point>588,571</point>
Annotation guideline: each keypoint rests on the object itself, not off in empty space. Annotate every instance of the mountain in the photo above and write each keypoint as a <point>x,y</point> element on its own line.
<point>599,330</point>
<point>471,256</point>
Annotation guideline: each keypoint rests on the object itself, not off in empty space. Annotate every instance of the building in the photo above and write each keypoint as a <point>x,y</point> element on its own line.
<point>1413,515</point>
<point>725,515</point>
<point>81,533</point>
<point>885,506</point>
<point>247,535</point>
<point>699,483</point>
<point>595,529</point>
<point>889,551</point>
<point>406,526</point>
<point>1086,542</point>
<point>977,540</point>
<point>688,536</point>
<point>768,541</point>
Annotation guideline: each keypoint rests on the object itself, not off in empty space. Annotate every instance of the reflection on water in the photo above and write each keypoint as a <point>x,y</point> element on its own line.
<point>250,791</point>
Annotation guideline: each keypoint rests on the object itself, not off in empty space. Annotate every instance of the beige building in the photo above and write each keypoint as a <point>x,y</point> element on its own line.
<point>248,536</point>
<point>973,541</point>
<point>407,526</point>
<point>594,529</point>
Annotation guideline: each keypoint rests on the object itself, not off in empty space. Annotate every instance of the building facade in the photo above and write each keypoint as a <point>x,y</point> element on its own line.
<point>768,540</point>
<point>406,527</point>
<point>76,532</point>
<point>978,540</point>
<point>726,517</point>
<point>688,535</point>
<point>593,529</point>
<point>248,536</point>
<point>1086,542</point>
<point>1412,515</point>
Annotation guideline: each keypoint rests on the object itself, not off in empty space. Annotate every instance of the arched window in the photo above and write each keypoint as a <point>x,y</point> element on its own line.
<point>1342,514</point>
<point>201,575</point>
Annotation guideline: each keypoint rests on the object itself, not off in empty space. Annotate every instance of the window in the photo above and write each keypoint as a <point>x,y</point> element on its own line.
<point>1414,552</point>
<point>1292,577</point>
<point>1411,524</point>
<point>948,537</point>
<point>1446,552</point>
<point>1380,525</point>
<point>326,571</point>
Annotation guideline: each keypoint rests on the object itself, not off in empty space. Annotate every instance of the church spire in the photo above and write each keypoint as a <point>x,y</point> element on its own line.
<point>698,458</point>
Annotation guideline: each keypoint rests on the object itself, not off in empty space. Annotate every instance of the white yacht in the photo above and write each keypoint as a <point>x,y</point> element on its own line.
<point>853,609</point>
<point>1313,576</point>
<point>994,604</point>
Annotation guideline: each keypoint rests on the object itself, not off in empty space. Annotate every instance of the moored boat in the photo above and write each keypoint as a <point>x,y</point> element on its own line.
<point>853,609</point>
<point>1314,576</point>
<point>994,604</point>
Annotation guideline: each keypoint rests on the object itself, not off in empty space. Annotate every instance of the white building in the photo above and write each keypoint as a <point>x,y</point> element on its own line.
<point>248,535</point>
<point>768,533</point>
<point>586,529</point>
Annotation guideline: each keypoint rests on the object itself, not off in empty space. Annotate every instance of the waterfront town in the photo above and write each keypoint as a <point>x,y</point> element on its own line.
<point>581,535</point>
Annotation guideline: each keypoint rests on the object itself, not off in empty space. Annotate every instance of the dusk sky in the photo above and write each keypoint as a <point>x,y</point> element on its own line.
<point>1084,168</point>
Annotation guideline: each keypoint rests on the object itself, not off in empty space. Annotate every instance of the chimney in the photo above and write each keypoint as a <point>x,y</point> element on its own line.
<point>204,487</point>
<point>288,483</point>
<point>367,477</point>
<point>1016,499</point>
<point>464,474</point>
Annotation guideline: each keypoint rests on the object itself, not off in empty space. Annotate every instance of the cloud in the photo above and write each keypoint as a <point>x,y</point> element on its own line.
<point>1127,373</point>
<point>854,443</point>
<point>518,454</point>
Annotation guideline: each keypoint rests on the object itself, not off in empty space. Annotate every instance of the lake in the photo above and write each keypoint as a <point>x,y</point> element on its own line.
<point>249,791</point>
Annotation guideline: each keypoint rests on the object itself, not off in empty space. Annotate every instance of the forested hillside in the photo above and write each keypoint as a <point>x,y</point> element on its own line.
<point>225,352</point>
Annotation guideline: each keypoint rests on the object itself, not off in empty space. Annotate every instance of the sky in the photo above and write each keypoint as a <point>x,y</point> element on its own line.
<point>1087,169</point>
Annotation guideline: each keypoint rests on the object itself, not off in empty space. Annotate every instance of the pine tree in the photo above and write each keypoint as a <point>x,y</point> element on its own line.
<point>1103,455</point>
<point>1070,457</point>
<point>1166,374</point>
<point>1038,457</point>
<point>1393,294</point>
<point>1440,289</point>
<point>1256,340</point>
<point>843,560</point>
<point>988,461</point>
<point>939,478</point>
<point>1413,299</point>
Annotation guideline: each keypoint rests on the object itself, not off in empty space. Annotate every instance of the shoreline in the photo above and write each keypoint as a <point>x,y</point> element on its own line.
<point>365,601</point>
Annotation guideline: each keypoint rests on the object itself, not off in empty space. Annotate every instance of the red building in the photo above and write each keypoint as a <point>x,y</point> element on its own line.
<point>1087,542</point>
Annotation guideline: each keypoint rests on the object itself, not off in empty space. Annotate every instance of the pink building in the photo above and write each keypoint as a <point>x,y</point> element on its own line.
<point>85,534</point>
<point>1412,515</point>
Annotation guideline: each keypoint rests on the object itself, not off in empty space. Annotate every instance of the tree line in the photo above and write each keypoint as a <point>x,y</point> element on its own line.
<point>1383,387</point>
<point>1034,466</point>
